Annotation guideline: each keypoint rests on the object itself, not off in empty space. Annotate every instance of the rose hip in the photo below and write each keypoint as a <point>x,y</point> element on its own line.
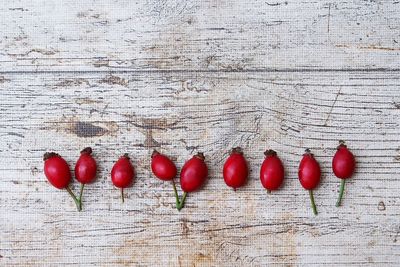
<point>58,173</point>
<point>343,165</point>
<point>164,169</point>
<point>193,175</point>
<point>310,175</point>
<point>85,170</point>
<point>272,172</point>
<point>122,174</point>
<point>56,170</point>
<point>235,169</point>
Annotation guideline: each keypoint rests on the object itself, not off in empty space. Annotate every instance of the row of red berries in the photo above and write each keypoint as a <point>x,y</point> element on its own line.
<point>195,171</point>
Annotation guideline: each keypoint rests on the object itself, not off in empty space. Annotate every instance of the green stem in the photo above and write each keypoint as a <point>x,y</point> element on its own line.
<point>268,191</point>
<point>122,195</point>
<point>80,196</point>
<point>341,192</point>
<point>77,203</point>
<point>314,207</point>
<point>182,203</point>
<point>178,203</point>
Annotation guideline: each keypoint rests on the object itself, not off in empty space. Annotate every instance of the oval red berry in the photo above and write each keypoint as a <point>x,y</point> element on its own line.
<point>123,172</point>
<point>56,170</point>
<point>86,167</point>
<point>309,172</point>
<point>272,172</point>
<point>194,173</point>
<point>235,169</point>
<point>343,163</point>
<point>162,167</point>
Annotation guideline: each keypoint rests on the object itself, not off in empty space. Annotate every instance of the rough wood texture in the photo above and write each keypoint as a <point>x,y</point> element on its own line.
<point>188,76</point>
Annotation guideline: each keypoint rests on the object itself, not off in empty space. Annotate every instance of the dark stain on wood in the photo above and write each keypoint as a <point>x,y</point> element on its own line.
<point>3,79</point>
<point>88,101</point>
<point>16,134</point>
<point>397,234</point>
<point>34,171</point>
<point>18,9</point>
<point>381,206</point>
<point>41,51</point>
<point>185,228</point>
<point>86,129</point>
<point>82,128</point>
<point>150,141</point>
<point>112,80</point>
<point>101,63</point>
<point>72,82</point>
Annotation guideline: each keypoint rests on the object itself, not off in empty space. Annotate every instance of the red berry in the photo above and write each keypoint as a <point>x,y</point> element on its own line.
<point>56,170</point>
<point>122,173</point>
<point>343,163</point>
<point>272,171</point>
<point>235,169</point>
<point>194,173</point>
<point>86,167</point>
<point>162,167</point>
<point>310,175</point>
<point>309,171</point>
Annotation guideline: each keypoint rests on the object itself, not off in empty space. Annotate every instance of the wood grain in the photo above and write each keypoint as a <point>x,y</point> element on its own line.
<point>199,35</point>
<point>188,76</point>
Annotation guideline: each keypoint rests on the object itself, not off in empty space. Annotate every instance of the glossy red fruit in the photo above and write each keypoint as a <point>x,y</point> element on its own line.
<point>86,167</point>
<point>122,174</point>
<point>194,173</point>
<point>310,175</point>
<point>235,169</point>
<point>272,172</point>
<point>309,171</point>
<point>56,170</point>
<point>58,173</point>
<point>343,163</point>
<point>85,170</point>
<point>162,167</point>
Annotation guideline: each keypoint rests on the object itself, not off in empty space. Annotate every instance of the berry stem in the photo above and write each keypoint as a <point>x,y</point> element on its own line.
<point>80,196</point>
<point>341,192</point>
<point>178,203</point>
<point>314,207</point>
<point>122,195</point>
<point>182,203</point>
<point>268,191</point>
<point>77,202</point>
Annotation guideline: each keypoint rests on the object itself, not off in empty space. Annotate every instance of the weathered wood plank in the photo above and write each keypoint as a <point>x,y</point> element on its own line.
<point>181,113</point>
<point>187,76</point>
<point>199,35</point>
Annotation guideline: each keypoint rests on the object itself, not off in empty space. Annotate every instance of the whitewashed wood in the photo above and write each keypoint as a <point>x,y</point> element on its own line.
<point>103,86</point>
<point>210,113</point>
<point>199,35</point>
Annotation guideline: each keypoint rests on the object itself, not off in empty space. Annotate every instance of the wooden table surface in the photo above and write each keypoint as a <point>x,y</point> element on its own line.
<point>188,76</point>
